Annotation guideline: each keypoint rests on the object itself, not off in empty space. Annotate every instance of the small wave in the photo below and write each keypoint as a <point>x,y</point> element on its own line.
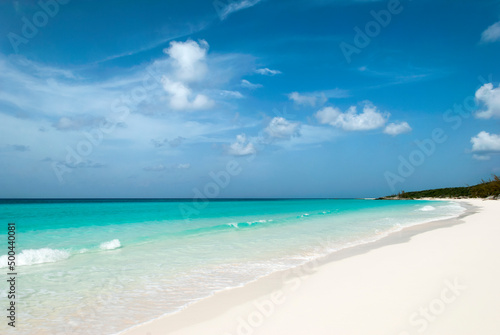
<point>258,221</point>
<point>110,245</point>
<point>36,256</point>
<point>427,208</point>
<point>232,224</point>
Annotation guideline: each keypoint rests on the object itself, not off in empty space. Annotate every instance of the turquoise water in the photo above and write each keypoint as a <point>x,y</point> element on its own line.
<point>114,264</point>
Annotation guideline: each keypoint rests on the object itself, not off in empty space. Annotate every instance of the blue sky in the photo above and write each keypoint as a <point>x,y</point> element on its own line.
<point>247,98</point>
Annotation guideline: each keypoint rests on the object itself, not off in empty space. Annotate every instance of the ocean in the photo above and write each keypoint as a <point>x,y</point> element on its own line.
<point>101,266</point>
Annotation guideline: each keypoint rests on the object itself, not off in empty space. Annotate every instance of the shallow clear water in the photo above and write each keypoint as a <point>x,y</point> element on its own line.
<point>112,265</point>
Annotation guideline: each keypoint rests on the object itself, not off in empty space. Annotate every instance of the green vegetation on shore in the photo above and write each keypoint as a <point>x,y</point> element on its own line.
<point>487,188</point>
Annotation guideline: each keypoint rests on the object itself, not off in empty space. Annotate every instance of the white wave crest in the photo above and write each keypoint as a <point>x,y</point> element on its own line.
<point>427,208</point>
<point>36,256</point>
<point>110,245</point>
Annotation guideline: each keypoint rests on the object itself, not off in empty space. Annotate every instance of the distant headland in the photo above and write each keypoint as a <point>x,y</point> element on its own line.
<point>487,189</point>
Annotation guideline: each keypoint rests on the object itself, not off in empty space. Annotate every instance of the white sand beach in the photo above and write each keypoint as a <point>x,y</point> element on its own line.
<point>436,278</point>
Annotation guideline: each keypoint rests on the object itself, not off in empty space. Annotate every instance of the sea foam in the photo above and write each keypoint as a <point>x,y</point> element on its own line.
<point>36,256</point>
<point>110,245</point>
<point>427,208</point>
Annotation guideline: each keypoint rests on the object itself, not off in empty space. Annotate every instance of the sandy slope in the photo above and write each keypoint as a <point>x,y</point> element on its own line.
<point>422,280</point>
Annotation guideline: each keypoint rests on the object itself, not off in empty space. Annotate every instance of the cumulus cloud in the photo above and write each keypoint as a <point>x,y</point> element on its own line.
<point>488,96</point>
<point>491,34</point>
<point>189,59</point>
<point>245,83</point>
<point>241,147</point>
<point>189,63</point>
<point>397,128</point>
<point>182,98</point>
<point>485,142</point>
<point>282,129</point>
<point>300,99</point>
<point>225,9</point>
<point>184,166</point>
<point>267,72</point>
<point>370,118</point>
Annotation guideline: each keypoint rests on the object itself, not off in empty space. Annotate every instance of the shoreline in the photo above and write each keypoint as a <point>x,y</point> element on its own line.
<point>285,282</point>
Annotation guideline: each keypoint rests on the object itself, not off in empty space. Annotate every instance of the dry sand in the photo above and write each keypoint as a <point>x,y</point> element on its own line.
<point>437,278</point>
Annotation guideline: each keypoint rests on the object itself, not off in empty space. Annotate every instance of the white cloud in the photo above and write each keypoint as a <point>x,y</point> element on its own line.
<point>267,72</point>
<point>369,118</point>
<point>485,142</point>
<point>329,115</point>
<point>181,97</point>
<point>317,98</point>
<point>241,147</point>
<point>225,10</point>
<point>490,98</point>
<point>38,102</point>
<point>481,157</point>
<point>245,83</point>
<point>231,94</point>
<point>281,128</point>
<point>189,59</point>
<point>397,128</point>
<point>492,34</point>
<point>300,99</point>
<point>183,166</point>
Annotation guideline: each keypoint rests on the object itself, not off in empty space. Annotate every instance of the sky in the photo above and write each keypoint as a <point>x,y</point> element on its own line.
<point>247,98</point>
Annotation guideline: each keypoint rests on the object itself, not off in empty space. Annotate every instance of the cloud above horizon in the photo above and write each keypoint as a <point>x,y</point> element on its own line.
<point>397,128</point>
<point>245,83</point>
<point>182,97</point>
<point>488,96</point>
<point>189,64</point>
<point>491,34</point>
<point>189,59</point>
<point>241,147</point>
<point>485,142</point>
<point>280,128</point>
<point>368,119</point>
<point>226,9</point>
<point>310,99</point>
<point>267,72</point>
